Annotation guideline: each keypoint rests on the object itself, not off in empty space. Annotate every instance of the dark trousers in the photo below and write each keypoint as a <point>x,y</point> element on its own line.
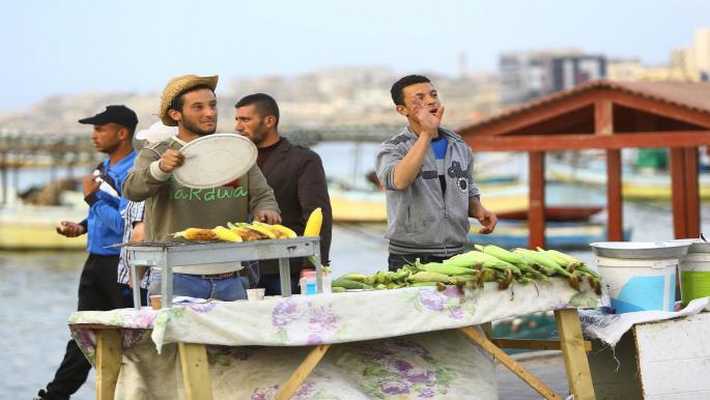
<point>272,284</point>
<point>395,261</point>
<point>269,277</point>
<point>98,291</point>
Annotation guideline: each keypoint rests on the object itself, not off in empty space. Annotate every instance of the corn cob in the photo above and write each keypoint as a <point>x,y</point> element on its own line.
<point>348,284</point>
<point>561,258</point>
<point>425,276</point>
<point>500,253</point>
<point>496,263</point>
<point>314,223</point>
<point>462,279</point>
<point>246,233</point>
<point>226,234</point>
<point>283,232</point>
<point>196,234</point>
<point>354,277</point>
<point>471,259</point>
<point>549,265</point>
<point>264,229</point>
<point>444,269</point>
<point>583,268</point>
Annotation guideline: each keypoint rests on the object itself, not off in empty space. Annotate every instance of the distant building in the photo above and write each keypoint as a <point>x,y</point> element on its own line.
<point>690,64</point>
<point>525,75</point>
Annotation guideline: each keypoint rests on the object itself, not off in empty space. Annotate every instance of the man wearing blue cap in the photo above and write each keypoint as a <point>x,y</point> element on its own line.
<point>98,287</point>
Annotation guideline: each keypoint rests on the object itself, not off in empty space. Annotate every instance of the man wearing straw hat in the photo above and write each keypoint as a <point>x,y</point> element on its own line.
<point>189,103</point>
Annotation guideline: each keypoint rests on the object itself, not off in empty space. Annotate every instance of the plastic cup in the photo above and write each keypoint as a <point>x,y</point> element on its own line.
<point>155,301</point>
<point>255,294</point>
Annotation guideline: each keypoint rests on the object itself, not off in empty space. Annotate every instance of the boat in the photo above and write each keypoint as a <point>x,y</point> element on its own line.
<point>361,205</point>
<point>33,227</point>
<point>558,234</point>
<point>647,185</point>
<point>554,213</point>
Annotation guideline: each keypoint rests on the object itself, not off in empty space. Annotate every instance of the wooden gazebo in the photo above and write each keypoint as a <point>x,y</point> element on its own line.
<point>611,116</point>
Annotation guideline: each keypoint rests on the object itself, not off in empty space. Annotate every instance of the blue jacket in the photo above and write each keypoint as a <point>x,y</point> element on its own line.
<point>104,223</point>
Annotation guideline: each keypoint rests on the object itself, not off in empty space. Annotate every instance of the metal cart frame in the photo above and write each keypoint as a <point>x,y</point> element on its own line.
<point>167,256</point>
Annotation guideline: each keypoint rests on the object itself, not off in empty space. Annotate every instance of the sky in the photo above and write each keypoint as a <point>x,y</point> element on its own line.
<point>67,47</point>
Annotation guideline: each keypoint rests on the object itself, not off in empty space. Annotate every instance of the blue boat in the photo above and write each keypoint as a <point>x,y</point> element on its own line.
<point>558,235</point>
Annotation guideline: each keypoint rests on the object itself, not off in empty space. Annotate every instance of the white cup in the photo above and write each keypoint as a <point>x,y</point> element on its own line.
<point>255,294</point>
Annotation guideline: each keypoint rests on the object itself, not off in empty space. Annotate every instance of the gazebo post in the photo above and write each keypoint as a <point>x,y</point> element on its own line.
<point>614,198</point>
<point>692,191</point>
<point>604,126</point>
<point>536,193</point>
<point>678,192</point>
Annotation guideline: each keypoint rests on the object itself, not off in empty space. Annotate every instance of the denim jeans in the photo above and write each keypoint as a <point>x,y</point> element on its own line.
<point>228,289</point>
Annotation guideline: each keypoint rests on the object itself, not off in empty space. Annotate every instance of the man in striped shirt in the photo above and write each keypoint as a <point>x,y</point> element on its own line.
<point>132,231</point>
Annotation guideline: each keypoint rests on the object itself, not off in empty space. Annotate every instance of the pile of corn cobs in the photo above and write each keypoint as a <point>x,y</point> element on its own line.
<point>472,269</point>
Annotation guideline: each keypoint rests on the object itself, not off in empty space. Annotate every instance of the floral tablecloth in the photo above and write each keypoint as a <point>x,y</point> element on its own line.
<point>329,318</point>
<point>435,365</point>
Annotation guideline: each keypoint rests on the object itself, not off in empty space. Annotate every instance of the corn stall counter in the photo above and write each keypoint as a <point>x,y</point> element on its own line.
<point>329,341</point>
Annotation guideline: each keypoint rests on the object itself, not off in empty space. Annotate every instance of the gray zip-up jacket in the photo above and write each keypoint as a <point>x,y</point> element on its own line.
<point>420,218</point>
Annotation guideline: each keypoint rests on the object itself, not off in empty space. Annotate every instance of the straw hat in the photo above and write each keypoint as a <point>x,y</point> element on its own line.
<point>178,85</point>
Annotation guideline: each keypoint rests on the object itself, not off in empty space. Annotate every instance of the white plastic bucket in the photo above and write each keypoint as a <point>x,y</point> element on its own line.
<point>694,276</point>
<point>639,285</point>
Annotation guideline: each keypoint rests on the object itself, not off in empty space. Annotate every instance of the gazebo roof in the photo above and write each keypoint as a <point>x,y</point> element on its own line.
<point>603,115</point>
<point>693,96</point>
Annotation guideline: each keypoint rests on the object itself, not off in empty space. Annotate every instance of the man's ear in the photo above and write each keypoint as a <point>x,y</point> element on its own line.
<point>175,115</point>
<point>270,121</point>
<point>123,133</point>
<point>402,110</point>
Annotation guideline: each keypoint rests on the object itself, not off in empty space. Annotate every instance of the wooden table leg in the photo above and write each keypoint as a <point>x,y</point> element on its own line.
<point>539,386</point>
<point>307,366</point>
<point>573,349</point>
<point>195,372</point>
<point>108,362</point>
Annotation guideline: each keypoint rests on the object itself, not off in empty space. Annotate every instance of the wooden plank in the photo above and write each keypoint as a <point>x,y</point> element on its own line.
<point>536,193</point>
<point>692,190</point>
<point>299,376</point>
<point>678,193</point>
<point>614,197</point>
<point>534,344</point>
<point>572,343</point>
<point>539,386</point>
<point>487,329</point>
<point>603,118</point>
<point>576,141</point>
<point>108,362</point>
<point>195,371</point>
<point>670,368</point>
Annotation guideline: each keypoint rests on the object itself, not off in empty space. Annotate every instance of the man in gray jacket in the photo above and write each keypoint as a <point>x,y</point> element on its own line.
<point>427,172</point>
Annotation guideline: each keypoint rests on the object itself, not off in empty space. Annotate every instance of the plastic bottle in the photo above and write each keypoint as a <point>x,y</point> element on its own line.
<point>308,282</point>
